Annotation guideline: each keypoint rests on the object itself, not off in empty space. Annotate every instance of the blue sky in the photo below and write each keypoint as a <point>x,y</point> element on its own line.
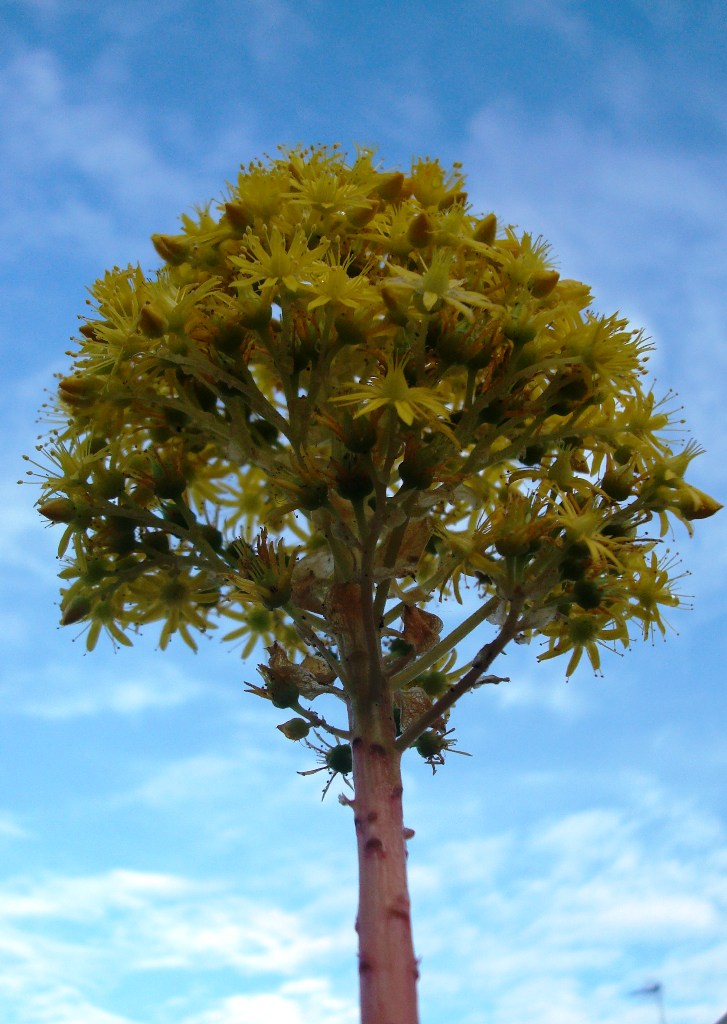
<point>160,859</point>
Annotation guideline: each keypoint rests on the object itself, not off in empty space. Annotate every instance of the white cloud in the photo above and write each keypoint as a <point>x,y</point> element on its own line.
<point>564,18</point>
<point>57,691</point>
<point>10,828</point>
<point>66,941</point>
<point>77,163</point>
<point>546,690</point>
<point>308,1002</point>
<point>186,781</point>
<point>529,916</point>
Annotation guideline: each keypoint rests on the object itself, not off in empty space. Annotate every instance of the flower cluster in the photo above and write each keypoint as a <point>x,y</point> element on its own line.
<point>351,360</point>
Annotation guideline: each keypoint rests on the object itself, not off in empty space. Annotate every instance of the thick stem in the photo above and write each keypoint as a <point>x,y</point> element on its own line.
<point>387,966</point>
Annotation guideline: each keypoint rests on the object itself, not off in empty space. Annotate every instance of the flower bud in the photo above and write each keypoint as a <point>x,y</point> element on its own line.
<point>543,282</point>
<point>421,231</point>
<point>79,390</point>
<point>519,330</point>
<point>152,323</point>
<point>362,215</point>
<point>695,504</point>
<point>76,609</point>
<point>238,215</point>
<point>486,229</point>
<point>452,198</point>
<point>390,186</point>
<point>174,249</point>
<point>58,510</point>
<point>397,312</point>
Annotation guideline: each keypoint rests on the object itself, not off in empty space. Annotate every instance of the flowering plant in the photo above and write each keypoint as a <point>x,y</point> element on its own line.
<point>343,399</point>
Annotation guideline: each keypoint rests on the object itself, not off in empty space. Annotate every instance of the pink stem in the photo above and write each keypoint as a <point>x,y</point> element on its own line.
<point>388,969</point>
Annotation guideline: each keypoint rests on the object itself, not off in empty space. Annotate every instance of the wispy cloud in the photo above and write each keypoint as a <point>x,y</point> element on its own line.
<point>29,691</point>
<point>80,168</point>
<point>10,828</point>
<point>599,889</point>
<point>67,941</point>
<point>307,1002</point>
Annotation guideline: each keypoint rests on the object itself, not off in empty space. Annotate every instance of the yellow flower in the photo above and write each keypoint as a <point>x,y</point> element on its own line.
<point>434,286</point>
<point>410,403</point>
<point>332,285</point>
<point>181,599</point>
<point>283,261</point>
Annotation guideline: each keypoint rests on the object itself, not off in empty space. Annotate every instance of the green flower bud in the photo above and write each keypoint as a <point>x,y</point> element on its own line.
<point>295,728</point>
<point>430,744</point>
<point>587,594</point>
<point>618,484</point>
<point>239,216</point>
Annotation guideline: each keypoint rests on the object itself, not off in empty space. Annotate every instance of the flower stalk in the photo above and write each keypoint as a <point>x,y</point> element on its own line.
<point>343,399</point>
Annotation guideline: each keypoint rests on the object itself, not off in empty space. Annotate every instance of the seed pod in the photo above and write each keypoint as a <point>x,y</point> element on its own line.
<point>108,483</point>
<point>359,435</point>
<point>532,455</point>
<point>430,744</point>
<point>282,692</point>
<point>587,594</point>
<point>433,683</point>
<point>353,480</point>
<point>349,332</point>
<point>618,484</point>
<point>575,562</point>
<point>212,535</point>
<point>340,759</point>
